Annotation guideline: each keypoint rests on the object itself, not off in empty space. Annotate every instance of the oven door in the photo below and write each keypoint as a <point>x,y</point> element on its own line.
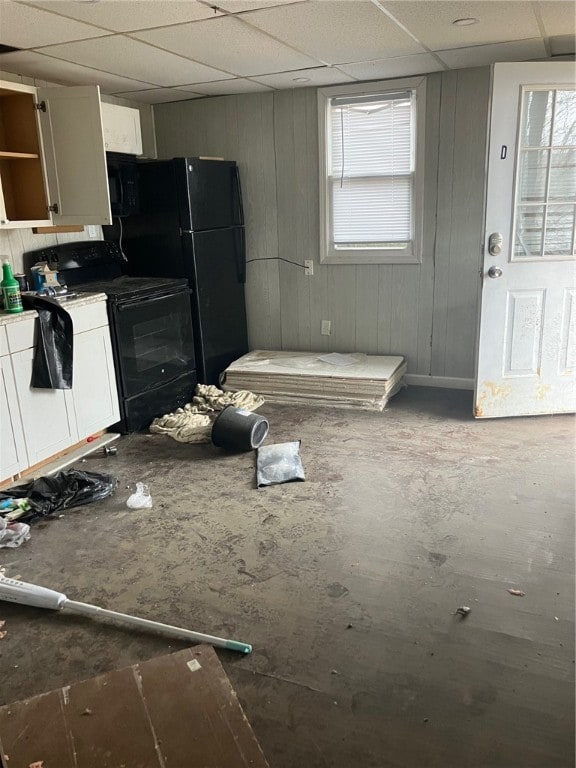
<point>154,341</point>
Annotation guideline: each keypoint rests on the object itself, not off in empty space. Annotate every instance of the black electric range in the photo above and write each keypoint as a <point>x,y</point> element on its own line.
<point>150,327</point>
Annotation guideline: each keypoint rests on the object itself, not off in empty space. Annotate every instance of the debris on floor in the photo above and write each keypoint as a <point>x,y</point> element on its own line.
<point>141,499</point>
<point>193,422</point>
<point>463,610</point>
<point>279,463</point>
<point>13,534</point>
<point>517,592</point>
<point>51,493</point>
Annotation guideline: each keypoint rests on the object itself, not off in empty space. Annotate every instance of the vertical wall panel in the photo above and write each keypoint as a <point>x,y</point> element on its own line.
<point>470,132</point>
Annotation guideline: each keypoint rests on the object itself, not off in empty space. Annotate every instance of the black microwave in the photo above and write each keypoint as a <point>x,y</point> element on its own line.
<point>122,184</point>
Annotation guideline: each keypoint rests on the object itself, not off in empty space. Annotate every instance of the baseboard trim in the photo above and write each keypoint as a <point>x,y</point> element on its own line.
<point>447,382</point>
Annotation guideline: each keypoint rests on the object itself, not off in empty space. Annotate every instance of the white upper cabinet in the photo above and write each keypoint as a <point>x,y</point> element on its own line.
<point>121,129</point>
<point>52,157</point>
<point>75,157</point>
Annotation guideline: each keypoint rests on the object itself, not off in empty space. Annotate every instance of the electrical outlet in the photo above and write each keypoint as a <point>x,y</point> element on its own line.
<point>92,230</point>
<point>325,328</point>
<point>308,267</point>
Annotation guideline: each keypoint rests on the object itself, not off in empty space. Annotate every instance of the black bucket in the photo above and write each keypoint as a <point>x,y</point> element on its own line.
<point>239,430</point>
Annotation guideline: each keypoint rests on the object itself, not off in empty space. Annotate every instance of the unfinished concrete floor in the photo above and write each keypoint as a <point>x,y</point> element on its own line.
<point>346,584</point>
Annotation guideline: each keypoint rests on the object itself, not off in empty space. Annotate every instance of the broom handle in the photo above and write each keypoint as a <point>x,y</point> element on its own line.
<point>85,609</point>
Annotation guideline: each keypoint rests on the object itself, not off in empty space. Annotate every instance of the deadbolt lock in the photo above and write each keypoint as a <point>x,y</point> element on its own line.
<point>495,244</point>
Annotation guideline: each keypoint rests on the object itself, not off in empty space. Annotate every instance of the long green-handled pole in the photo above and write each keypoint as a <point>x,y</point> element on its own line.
<point>30,594</point>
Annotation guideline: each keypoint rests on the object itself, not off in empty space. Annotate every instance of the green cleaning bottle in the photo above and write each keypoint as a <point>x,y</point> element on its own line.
<point>10,290</point>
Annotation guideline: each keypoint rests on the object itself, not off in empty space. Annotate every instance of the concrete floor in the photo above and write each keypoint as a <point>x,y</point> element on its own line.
<point>346,584</point>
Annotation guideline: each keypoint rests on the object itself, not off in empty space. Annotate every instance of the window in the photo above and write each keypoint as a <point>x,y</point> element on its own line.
<point>371,180</point>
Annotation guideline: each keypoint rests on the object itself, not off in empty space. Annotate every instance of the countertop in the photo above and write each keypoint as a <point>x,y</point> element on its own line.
<point>81,301</point>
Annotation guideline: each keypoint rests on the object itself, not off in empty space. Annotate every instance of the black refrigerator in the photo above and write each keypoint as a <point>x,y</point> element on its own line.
<point>190,224</point>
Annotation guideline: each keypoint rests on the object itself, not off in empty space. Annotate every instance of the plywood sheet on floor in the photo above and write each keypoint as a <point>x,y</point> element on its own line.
<point>175,710</point>
<point>359,380</point>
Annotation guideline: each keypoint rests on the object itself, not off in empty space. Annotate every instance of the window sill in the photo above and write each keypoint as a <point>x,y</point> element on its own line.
<point>369,257</point>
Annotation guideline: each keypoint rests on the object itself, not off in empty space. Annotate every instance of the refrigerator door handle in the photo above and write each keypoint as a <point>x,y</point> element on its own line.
<point>241,254</point>
<point>238,191</point>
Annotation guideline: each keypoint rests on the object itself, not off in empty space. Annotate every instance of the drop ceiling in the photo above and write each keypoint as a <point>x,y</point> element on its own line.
<point>168,50</point>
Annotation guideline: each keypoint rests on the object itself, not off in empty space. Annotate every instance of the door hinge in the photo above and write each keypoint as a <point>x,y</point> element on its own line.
<point>53,208</point>
<point>40,105</point>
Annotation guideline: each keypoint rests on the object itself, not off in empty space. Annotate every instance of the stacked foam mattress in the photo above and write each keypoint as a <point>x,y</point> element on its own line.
<point>354,381</point>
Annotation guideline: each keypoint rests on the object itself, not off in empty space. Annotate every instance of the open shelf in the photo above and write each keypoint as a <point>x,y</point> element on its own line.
<point>18,155</point>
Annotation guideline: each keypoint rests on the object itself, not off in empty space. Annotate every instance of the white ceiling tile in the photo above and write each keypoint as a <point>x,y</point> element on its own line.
<point>559,18</point>
<point>159,95</point>
<point>417,64</point>
<point>130,58</point>
<point>517,50</point>
<point>123,15</point>
<point>240,6</point>
<point>227,43</point>
<point>225,87</point>
<point>318,76</point>
<point>64,73</point>
<point>335,32</point>
<point>24,27</point>
<point>499,21</point>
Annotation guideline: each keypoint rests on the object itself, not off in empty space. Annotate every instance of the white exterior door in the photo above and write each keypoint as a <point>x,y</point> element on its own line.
<point>527,339</point>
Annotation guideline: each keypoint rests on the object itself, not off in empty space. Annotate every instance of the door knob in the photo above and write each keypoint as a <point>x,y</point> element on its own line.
<point>494,272</point>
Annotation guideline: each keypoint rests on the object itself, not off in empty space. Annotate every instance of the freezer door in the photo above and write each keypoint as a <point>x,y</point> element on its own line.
<point>211,196</point>
<point>219,310</point>
<point>151,239</point>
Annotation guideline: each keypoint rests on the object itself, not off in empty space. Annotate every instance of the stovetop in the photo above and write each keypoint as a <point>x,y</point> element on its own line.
<point>125,287</point>
<point>97,266</point>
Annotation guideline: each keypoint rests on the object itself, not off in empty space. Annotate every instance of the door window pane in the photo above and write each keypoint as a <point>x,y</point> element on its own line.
<point>533,172</point>
<point>529,230</point>
<point>559,230</point>
<point>562,174</point>
<point>537,118</point>
<point>564,119</point>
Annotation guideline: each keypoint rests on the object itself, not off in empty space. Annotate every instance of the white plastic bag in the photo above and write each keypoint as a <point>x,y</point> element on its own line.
<point>141,499</point>
<point>13,534</point>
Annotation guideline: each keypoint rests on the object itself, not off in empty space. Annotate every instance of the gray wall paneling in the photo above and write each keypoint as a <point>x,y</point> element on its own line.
<point>426,312</point>
<point>462,147</point>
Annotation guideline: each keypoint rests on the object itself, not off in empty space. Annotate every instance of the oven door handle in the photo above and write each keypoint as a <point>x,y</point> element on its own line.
<point>149,300</point>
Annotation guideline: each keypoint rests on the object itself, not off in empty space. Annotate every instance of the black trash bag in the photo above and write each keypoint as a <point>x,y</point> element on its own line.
<point>279,463</point>
<point>51,493</point>
<point>52,367</point>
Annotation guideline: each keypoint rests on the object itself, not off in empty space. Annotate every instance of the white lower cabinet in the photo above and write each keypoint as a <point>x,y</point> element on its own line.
<point>13,456</point>
<point>94,383</point>
<point>47,414</point>
<point>37,424</point>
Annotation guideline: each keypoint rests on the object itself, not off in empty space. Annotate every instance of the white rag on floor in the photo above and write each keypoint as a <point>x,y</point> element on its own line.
<point>192,423</point>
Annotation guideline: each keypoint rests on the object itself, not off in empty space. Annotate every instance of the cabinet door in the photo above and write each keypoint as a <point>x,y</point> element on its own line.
<point>12,451</point>
<point>94,389</point>
<point>121,129</point>
<point>74,154</point>
<point>47,414</point>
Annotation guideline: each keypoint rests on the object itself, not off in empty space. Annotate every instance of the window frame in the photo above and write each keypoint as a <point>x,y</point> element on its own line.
<point>411,255</point>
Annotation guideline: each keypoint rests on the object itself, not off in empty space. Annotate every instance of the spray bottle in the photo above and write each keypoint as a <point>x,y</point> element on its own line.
<point>10,290</point>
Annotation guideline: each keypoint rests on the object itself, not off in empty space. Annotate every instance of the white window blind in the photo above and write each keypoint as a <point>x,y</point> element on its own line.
<point>371,170</point>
